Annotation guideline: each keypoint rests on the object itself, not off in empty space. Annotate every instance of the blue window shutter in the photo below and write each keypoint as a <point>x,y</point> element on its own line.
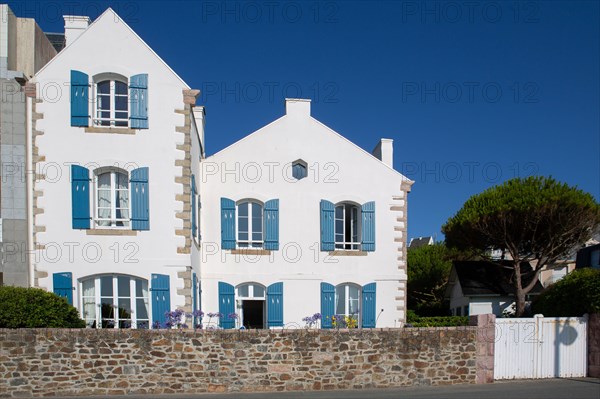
<point>327,226</point>
<point>369,305</point>
<point>275,305</point>
<point>140,209</point>
<point>226,304</point>
<point>63,285</point>
<point>271,223</point>
<point>327,304</point>
<point>80,114</point>
<point>80,197</point>
<point>194,297</point>
<point>161,297</point>
<point>227,223</point>
<point>194,227</point>
<point>368,226</point>
<point>138,93</point>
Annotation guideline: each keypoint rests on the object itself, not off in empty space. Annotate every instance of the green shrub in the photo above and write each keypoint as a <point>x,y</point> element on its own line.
<point>36,308</point>
<point>574,295</point>
<point>439,321</point>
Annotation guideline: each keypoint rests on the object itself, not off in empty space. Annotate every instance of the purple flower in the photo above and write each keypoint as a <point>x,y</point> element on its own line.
<point>232,316</point>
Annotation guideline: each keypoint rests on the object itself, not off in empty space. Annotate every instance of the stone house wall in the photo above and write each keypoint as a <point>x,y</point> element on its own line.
<point>594,345</point>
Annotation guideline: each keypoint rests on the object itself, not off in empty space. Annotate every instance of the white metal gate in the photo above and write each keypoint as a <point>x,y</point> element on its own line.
<point>540,347</point>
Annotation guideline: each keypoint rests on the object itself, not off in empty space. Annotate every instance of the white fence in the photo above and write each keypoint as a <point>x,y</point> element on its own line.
<point>540,347</point>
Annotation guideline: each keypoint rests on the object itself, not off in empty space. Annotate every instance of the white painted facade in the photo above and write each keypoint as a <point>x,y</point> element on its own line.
<point>258,168</point>
<point>109,46</point>
<point>181,241</point>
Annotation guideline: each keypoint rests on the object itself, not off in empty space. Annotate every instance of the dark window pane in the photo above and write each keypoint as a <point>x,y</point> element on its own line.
<point>103,102</point>
<point>104,87</point>
<point>123,287</point>
<point>142,309</point>
<point>121,103</point>
<point>106,286</point>
<point>108,311</point>
<point>256,225</point>
<point>243,225</point>
<point>257,211</point>
<point>120,87</point>
<point>243,209</point>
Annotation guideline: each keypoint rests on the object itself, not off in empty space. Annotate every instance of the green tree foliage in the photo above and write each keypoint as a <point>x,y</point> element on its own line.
<point>428,271</point>
<point>576,294</point>
<point>36,308</point>
<point>535,219</point>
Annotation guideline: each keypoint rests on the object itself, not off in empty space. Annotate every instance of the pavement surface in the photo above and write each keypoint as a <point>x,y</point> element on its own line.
<point>571,388</point>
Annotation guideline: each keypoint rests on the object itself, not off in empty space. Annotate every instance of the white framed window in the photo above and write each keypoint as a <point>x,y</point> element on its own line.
<point>112,204</point>
<point>115,301</point>
<point>250,224</point>
<point>347,299</point>
<point>347,227</point>
<point>251,305</point>
<point>112,101</point>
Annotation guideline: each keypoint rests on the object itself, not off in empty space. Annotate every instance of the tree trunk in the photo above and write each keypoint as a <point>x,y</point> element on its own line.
<point>519,292</point>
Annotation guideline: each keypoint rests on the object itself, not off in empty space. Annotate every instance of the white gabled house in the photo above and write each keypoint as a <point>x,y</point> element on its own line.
<point>115,142</point>
<point>298,220</point>
<point>130,220</point>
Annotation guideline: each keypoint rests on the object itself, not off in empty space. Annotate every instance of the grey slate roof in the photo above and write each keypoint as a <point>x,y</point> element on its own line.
<point>480,278</point>
<point>57,40</point>
<point>420,242</point>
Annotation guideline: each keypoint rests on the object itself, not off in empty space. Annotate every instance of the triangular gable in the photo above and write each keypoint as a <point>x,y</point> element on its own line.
<point>110,13</point>
<point>247,140</point>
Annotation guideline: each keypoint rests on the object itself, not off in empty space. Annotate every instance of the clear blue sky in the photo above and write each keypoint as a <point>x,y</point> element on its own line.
<point>473,93</point>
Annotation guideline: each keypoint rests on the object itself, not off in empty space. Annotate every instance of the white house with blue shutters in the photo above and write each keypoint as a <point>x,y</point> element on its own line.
<point>297,220</point>
<point>115,143</point>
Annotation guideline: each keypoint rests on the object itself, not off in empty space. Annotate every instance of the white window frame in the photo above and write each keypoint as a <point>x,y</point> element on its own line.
<point>97,120</point>
<point>113,208</point>
<point>250,243</point>
<point>115,297</point>
<point>250,297</point>
<point>348,245</point>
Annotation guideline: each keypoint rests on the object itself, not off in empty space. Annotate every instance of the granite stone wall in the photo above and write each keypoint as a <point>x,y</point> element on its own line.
<point>594,345</point>
<point>38,362</point>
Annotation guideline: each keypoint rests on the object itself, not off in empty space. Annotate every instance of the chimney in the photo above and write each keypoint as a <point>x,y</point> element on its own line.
<point>384,151</point>
<point>74,26</point>
<point>297,106</point>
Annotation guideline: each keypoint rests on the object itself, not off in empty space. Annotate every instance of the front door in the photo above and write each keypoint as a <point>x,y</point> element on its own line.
<point>253,313</point>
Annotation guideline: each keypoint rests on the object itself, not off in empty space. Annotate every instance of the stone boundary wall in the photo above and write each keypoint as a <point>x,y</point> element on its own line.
<point>40,362</point>
<point>594,345</point>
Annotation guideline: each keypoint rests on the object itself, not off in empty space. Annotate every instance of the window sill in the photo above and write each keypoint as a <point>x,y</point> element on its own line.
<point>342,252</point>
<point>112,130</point>
<point>250,251</point>
<point>111,232</point>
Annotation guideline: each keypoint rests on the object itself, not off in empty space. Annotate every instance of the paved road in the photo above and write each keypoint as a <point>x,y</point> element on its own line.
<point>579,388</point>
